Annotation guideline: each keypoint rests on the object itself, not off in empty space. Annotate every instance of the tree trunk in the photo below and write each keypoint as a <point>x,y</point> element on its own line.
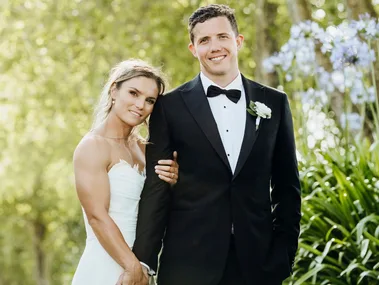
<point>39,231</point>
<point>265,44</point>
<point>299,10</point>
<point>359,7</point>
<point>41,266</point>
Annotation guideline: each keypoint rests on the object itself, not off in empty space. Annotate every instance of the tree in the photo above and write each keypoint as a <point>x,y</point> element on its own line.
<point>265,41</point>
<point>360,7</point>
<point>299,10</point>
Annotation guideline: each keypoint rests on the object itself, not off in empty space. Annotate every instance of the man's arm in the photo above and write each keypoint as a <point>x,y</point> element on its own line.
<point>155,197</point>
<point>286,196</point>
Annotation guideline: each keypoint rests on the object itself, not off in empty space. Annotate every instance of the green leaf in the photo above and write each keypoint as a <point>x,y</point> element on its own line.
<point>251,112</point>
<point>370,274</point>
<point>309,274</point>
<point>364,248</point>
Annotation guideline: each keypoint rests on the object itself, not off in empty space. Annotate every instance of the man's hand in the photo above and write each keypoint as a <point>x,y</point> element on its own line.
<point>134,275</point>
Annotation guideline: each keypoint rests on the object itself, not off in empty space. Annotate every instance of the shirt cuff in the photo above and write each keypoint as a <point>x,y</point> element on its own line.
<point>149,271</point>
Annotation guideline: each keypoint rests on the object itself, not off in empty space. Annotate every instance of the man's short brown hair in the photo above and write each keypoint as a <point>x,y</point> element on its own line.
<point>211,11</point>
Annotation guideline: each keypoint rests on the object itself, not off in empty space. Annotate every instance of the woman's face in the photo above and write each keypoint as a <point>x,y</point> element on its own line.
<point>135,99</point>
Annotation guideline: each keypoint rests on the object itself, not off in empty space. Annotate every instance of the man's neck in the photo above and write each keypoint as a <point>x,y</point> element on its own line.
<point>222,80</point>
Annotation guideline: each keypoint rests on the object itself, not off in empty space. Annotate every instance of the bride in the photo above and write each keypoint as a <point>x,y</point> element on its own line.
<point>109,174</point>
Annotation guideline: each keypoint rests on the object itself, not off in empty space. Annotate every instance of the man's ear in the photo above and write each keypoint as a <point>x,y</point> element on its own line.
<point>239,40</point>
<point>192,49</point>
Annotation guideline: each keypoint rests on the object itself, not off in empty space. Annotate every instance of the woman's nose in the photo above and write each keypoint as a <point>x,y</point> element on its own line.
<point>139,103</point>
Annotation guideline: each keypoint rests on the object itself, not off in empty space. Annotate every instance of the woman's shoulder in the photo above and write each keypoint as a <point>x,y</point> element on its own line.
<point>92,148</point>
<point>93,141</point>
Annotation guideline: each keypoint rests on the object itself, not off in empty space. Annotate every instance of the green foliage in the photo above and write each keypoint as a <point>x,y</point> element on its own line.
<point>339,242</point>
<point>54,58</point>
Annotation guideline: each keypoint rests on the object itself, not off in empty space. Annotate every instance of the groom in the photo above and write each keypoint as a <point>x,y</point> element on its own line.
<point>220,224</point>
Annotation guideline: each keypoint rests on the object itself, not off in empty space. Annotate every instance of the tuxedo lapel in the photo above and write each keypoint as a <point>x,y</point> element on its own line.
<point>253,92</point>
<point>198,105</point>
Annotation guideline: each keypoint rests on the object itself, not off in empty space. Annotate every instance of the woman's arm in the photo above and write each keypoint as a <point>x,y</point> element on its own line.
<point>91,160</point>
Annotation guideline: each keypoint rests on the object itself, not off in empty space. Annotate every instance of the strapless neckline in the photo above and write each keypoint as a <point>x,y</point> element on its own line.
<point>134,168</point>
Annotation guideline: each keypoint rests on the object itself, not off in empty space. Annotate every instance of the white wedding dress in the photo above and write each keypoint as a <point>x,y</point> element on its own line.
<point>96,266</point>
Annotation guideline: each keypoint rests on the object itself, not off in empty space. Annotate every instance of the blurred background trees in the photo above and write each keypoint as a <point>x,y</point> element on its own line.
<point>54,58</point>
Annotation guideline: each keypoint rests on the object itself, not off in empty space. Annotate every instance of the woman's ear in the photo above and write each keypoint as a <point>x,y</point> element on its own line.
<point>113,91</point>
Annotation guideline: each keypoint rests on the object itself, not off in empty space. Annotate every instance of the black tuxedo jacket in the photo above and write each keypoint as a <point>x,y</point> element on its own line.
<point>194,218</point>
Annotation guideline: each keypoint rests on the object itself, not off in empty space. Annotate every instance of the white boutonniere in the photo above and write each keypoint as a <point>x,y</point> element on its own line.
<point>259,110</point>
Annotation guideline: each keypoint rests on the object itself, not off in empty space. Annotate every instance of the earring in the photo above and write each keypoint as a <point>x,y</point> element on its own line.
<point>113,101</point>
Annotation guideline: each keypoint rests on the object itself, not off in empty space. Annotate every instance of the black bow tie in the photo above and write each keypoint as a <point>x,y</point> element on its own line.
<point>233,94</point>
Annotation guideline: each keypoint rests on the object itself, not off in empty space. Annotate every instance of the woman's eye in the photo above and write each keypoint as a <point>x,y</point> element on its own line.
<point>133,93</point>
<point>150,101</point>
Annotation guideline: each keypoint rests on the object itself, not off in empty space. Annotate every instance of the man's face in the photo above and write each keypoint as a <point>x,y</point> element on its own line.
<point>216,47</point>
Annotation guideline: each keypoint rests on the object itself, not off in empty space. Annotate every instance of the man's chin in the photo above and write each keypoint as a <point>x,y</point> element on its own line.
<point>218,72</point>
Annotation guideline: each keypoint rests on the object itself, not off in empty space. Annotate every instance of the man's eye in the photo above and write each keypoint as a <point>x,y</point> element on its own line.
<point>133,93</point>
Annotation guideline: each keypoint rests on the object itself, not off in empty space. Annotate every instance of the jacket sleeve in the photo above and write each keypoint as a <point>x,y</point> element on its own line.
<point>285,183</point>
<point>155,197</point>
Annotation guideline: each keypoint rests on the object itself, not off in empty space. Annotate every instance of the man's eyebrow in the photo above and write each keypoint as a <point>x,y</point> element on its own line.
<point>202,38</point>
<point>219,34</point>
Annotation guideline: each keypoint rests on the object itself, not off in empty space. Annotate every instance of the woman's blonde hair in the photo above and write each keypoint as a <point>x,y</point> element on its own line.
<point>124,71</point>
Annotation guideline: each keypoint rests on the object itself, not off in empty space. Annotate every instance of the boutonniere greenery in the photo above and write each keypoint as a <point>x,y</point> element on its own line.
<point>259,110</point>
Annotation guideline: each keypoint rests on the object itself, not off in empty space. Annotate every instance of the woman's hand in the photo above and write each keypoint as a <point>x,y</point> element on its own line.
<point>168,170</point>
<point>135,276</point>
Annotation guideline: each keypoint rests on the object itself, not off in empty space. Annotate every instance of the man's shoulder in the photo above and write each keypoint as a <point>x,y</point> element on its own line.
<point>183,87</point>
<point>270,93</point>
<point>176,91</point>
<point>268,89</point>
<point>274,93</point>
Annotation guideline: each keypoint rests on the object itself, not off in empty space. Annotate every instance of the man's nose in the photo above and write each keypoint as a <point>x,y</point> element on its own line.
<point>215,45</point>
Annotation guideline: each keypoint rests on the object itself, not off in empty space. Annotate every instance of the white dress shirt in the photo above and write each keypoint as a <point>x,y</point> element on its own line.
<point>230,117</point>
